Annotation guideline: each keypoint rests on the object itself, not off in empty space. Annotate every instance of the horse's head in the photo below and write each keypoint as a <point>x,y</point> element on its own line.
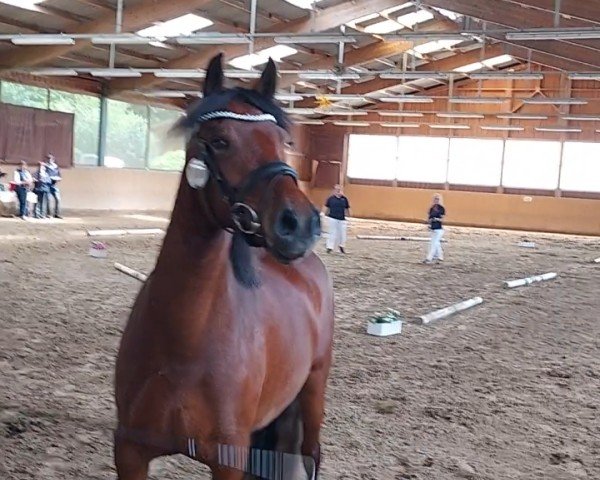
<point>236,140</point>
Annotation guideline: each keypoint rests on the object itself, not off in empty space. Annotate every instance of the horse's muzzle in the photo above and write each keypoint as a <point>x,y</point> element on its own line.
<point>294,234</point>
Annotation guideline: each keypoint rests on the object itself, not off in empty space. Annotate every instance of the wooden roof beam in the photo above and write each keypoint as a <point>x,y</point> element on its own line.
<point>317,22</point>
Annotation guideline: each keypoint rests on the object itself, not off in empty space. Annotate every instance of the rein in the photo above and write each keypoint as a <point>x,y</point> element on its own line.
<point>244,218</point>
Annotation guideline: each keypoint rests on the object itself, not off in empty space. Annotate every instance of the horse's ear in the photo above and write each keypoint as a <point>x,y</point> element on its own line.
<point>213,83</point>
<point>267,83</point>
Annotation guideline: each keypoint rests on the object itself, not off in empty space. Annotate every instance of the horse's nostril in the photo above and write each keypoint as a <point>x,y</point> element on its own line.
<point>288,223</point>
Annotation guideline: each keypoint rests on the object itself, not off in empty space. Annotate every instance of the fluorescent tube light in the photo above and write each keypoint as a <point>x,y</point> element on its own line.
<point>406,99</point>
<point>554,101</point>
<point>122,39</point>
<point>502,128</point>
<point>584,76</point>
<point>521,116</point>
<point>449,126</point>
<point>506,76</point>
<point>288,97</point>
<point>165,94</point>
<point>478,100</point>
<point>350,123</point>
<point>400,125</point>
<point>399,114</point>
<point>314,39</point>
<point>581,118</point>
<point>342,97</point>
<point>55,72</point>
<point>43,39</point>
<point>115,72</point>
<point>328,76</point>
<point>459,115</point>
<point>322,111</point>
<point>300,111</point>
<point>183,73</point>
<point>412,75</point>
<point>310,122</point>
<point>558,129</point>
<point>242,74</point>
<point>556,34</point>
<point>212,39</point>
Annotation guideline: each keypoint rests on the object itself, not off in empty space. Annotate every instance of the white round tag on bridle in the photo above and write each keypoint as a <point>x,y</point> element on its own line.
<point>197,173</point>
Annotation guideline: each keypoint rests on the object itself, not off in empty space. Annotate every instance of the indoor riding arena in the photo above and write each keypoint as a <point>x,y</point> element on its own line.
<point>452,150</point>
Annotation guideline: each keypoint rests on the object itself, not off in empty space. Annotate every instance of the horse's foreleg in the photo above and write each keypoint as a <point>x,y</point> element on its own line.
<point>131,460</point>
<point>312,405</point>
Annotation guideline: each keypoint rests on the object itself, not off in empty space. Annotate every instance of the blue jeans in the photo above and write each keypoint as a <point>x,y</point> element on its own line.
<point>42,204</point>
<point>22,197</point>
<point>55,193</point>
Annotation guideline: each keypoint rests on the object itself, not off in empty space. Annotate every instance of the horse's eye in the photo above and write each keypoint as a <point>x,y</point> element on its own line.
<point>219,144</point>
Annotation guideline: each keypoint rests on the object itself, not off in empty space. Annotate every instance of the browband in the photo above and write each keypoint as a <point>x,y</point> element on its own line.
<point>245,117</point>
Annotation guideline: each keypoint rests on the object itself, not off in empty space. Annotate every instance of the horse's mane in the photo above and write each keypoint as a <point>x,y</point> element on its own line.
<point>221,100</point>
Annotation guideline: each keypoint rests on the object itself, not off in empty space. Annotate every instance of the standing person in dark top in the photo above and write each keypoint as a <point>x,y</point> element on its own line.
<point>41,189</point>
<point>338,207</point>
<point>435,218</point>
<point>54,174</point>
<point>22,180</point>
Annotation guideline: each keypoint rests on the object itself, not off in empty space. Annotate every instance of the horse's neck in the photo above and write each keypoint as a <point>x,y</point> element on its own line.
<point>191,235</point>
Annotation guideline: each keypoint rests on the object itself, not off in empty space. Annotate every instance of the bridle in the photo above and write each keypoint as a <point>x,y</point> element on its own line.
<point>244,218</point>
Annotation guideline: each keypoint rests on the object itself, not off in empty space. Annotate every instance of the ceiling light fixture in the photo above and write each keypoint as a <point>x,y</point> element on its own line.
<point>591,33</point>
<point>350,123</point>
<point>521,116</point>
<point>554,101</point>
<point>314,39</point>
<point>180,73</point>
<point>115,72</point>
<point>399,125</point>
<point>581,118</point>
<point>558,129</point>
<point>506,76</point>
<point>122,39</point>
<point>212,39</point>
<point>448,126</point>
<point>43,39</point>
<point>412,75</point>
<point>406,99</point>
<point>399,114</point>
<point>55,72</point>
<point>502,128</point>
<point>459,115</point>
<point>328,76</point>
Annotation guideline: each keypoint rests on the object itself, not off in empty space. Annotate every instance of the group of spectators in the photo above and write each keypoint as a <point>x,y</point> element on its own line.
<point>43,183</point>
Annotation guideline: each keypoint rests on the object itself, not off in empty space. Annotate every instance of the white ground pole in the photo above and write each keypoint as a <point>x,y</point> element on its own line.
<point>131,272</point>
<point>385,237</point>
<point>131,231</point>
<point>452,309</point>
<point>529,280</point>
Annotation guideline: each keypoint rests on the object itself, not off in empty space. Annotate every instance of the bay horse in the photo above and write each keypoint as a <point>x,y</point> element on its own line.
<point>227,350</point>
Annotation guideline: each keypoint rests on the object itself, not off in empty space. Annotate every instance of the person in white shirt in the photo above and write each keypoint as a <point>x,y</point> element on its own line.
<point>22,180</point>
